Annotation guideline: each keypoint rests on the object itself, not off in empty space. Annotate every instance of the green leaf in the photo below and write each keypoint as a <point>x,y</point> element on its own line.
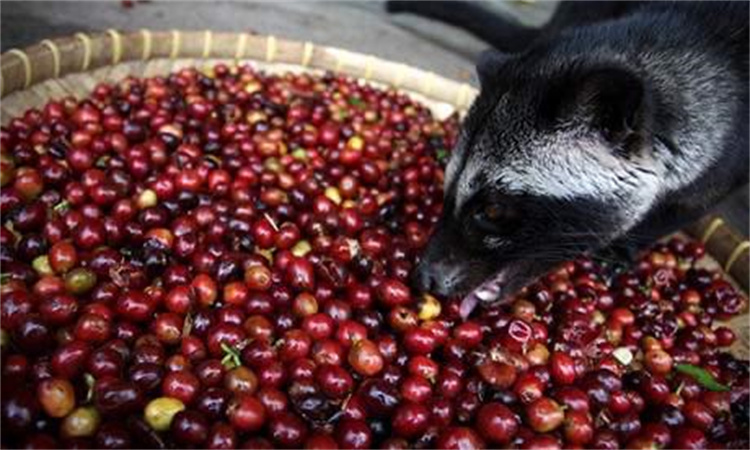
<point>62,206</point>
<point>231,357</point>
<point>441,154</point>
<point>358,102</point>
<point>228,362</point>
<point>702,376</point>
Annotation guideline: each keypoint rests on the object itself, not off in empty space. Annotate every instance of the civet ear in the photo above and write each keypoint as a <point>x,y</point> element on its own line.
<point>613,101</point>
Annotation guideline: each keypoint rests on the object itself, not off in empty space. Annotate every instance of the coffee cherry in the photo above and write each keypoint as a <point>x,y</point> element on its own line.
<point>63,257</point>
<point>135,306</point>
<point>258,278</point>
<point>353,434</point>
<point>456,438</point>
<point>496,423</point>
<point>562,368</point>
<point>528,388</point>
<point>205,289</point>
<point>544,415</point>
<point>658,361</point>
<point>160,412</point>
<point>496,374</point>
<point>320,441</point>
<point>180,299</point>
<point>235,293</point>
<point>365,358</point>
<point>578,427</point>
<point>112,435</point>
<point>221,436</point>
<point>469,334</point>
<point>93,328</point>
<point>81,422</point>
<point>698,415</point>
<point>334,381</point>
<point>181,385</point>
<point>419,341</point>
<point>241,380</point>
<point>542,441</point>
<point>114,397</point>
<point>287,430</point>
<point>90,234</point>
<point>295,344</point>
<point>28,183</point>
<point>79,281</point>
<point>411,420</point>
<point>304,305</point>
<point>59,310</point>
<point>246,413</point>
<point>393,293</point>
<point>724,337</point>
<point>56,396</point>
<point>189,428</point>
<point>688,438</point>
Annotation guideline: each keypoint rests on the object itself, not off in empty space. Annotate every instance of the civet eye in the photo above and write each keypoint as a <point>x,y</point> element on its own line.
<point>494,211</point>
<point>495,217</point>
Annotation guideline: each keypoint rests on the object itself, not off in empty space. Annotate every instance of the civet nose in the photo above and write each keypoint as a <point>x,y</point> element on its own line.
<point>435,279</point>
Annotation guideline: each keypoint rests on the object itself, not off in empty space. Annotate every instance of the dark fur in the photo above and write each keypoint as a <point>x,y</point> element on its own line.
<point>590,77</point>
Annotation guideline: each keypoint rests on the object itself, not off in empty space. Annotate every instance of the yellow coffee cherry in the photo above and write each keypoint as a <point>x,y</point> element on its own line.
<point>82,422</point>
<point>160,412</point>
<point>429,308</point>
<point>333,195</point>
<point>301,248</point>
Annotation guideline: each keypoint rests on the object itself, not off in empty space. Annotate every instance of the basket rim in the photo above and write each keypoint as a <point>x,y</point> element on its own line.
<point>80,53</point>
<point>115,47</point>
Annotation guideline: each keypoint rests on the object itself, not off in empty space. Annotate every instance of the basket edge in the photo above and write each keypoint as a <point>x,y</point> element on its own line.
<point>20,69</point>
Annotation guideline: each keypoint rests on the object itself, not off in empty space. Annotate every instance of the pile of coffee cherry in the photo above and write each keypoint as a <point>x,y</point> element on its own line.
<point>221,258</point>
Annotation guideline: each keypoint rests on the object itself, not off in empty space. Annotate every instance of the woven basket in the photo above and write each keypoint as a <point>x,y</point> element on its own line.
<point>74,65</point>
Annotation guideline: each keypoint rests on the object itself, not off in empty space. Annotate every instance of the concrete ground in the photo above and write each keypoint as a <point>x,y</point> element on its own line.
<point>362,26</point>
